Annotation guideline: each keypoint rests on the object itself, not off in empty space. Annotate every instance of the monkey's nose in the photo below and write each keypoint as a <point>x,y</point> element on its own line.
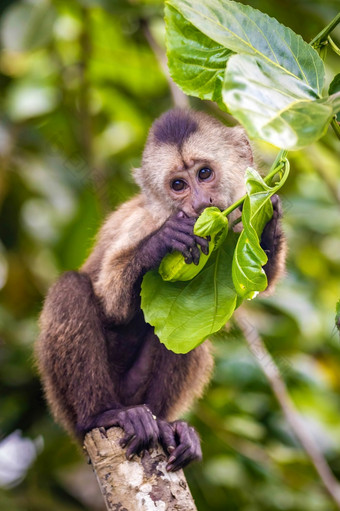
<point>198,207</point>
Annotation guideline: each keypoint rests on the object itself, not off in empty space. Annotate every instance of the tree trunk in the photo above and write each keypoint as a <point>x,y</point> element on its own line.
<point>142,484</point>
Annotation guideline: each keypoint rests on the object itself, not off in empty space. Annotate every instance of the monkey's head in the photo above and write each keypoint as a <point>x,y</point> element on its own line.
<point>192,161</point>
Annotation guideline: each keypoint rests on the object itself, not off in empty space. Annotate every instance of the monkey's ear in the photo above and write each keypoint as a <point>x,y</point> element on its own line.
<point>239,138</point>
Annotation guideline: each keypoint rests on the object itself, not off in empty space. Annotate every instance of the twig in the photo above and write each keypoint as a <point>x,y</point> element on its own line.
<point>322,36</point>
<point>293,418</point>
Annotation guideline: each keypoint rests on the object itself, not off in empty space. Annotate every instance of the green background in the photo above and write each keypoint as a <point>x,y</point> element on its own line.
<point>79,88</point>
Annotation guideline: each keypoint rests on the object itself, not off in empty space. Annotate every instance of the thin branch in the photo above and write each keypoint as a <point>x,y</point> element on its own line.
<point>332,44</point>
<point>293,418</point>
<point>179,98</point>
<point>322,36</point>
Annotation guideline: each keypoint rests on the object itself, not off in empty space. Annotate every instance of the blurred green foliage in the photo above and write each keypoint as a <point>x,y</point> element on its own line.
<point>80,87</point>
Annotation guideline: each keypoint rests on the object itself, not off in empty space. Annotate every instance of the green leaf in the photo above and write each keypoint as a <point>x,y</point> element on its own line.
<point>245,30</point>
<point>196,62</point>
<point>184,314</point>
<point>248,275</point>
<point>211,223</point>
<point>173,266</point>
<point>274,105</point>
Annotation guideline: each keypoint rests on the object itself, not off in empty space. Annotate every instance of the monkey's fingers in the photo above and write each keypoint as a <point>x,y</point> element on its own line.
<point>188,449</point>
<point>166,436</point>
<point>186,226</point>
<point>195,254</point>
<point>181,247</point>
<point>191,251</point>
<point>145,431</point>
<point>128,427</point>
<point>203,243</point>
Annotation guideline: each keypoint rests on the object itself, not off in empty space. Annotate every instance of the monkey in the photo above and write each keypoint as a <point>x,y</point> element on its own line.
<point>100,363</point>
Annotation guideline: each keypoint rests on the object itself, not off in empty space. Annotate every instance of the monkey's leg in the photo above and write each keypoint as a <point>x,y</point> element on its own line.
<point>72,352</point>
<point>182,443</point>
<point>273,243</point>
<point>73,361</point>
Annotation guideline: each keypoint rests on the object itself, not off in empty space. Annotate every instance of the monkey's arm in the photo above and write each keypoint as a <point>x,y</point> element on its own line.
<point>274,245</point>
<point>139,245</point>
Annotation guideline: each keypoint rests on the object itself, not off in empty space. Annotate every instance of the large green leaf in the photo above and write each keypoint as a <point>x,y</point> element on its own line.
<point>184,314</point>
<point>274,105</point>
<point>242,29</point>
<point>273,84</point>
<point>196,62</point>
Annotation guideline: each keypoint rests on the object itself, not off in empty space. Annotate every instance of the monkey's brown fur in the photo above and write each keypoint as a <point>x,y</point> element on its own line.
<point>95,351</point>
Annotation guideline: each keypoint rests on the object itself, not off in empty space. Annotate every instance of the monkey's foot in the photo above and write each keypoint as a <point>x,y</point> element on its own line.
<point>182,443</point>
<point>138,424</point>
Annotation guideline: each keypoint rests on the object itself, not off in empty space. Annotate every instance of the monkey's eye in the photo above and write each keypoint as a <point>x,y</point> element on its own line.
<point>205,173</point>
<point>178,185</point>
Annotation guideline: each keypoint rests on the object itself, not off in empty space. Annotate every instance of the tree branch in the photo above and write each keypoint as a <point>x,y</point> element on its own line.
<point>292,416</point>
<point>139,485</point>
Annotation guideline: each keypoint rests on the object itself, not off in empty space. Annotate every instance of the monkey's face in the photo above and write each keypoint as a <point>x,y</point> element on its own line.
<point>192,161</point>
<point>194,187</point>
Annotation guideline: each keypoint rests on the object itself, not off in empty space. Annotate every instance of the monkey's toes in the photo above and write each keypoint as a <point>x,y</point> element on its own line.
<point>188,447</point>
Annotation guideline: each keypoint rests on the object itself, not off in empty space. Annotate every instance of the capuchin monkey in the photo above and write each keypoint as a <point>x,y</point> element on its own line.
<point>101,364</point>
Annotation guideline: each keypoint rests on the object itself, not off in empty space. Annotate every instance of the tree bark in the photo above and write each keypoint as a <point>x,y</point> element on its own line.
<point>142,484</point>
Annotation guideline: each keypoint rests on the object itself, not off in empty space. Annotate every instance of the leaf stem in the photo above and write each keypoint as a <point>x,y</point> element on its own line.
<point>323,35</point>
<point>279,163</point>
<point>333,45</point>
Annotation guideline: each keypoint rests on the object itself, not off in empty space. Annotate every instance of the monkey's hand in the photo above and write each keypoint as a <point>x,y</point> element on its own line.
<point>182,443</point>
<point>177,233</point>
<point>138,424</point>
<point>272,242</point>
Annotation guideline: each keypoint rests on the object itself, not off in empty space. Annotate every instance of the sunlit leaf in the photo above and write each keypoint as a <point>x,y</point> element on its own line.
<point>273,84</point>
<point>246,30</point>
<point>274,105</point>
